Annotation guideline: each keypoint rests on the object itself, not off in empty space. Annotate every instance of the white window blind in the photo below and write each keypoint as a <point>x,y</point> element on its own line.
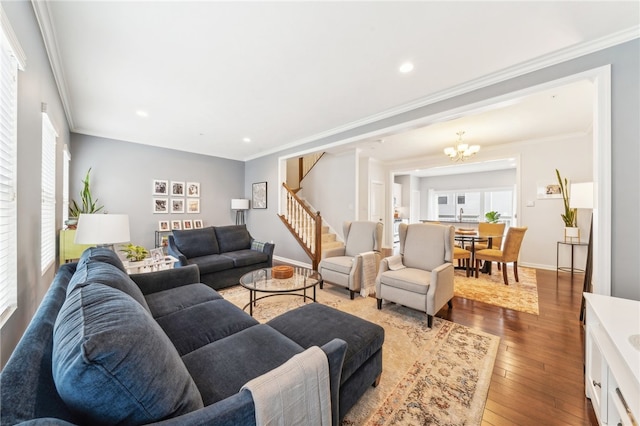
<point>8,159</point>
<point>66,158</point>
<point>48,210</point>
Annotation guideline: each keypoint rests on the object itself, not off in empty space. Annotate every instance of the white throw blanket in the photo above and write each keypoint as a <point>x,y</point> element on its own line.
<point>369,271</point>
<point>296,393</point>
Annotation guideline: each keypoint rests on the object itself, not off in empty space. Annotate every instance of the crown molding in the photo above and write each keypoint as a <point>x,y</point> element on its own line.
<point>47,28</point>
<point>544,61</point>
<point>13,40</point>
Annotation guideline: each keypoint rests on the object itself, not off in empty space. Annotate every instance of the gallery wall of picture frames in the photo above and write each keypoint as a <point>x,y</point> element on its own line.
<point>176,197</point>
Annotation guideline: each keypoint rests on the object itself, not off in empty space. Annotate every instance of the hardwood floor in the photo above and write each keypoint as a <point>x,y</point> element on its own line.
<point>538,374</point>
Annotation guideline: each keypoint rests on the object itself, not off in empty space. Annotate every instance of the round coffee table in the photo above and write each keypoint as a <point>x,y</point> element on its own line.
<point>261,281</point>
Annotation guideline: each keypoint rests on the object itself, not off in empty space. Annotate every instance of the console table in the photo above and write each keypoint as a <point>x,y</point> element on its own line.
<point>612,359</point>
<point>69,250</point>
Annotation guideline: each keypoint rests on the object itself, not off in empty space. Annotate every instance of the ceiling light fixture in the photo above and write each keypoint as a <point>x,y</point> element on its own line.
<point>461,151</point>
<point>246,140</point>
<point>406,67</point>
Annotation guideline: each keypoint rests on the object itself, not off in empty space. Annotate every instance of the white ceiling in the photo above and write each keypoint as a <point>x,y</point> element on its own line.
<point>209,74</point>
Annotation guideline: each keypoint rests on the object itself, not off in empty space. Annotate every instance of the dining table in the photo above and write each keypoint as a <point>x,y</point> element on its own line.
<point>470,236</point>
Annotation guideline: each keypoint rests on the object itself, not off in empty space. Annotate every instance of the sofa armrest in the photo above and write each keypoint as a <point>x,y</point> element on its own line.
<point>441,287</point>
<point>153,282</point>
<point>173,250</point>
<point>263,247</point>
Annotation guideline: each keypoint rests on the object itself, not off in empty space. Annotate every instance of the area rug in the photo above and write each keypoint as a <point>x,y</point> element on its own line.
<point>520,296</point>
<point>437,376</point>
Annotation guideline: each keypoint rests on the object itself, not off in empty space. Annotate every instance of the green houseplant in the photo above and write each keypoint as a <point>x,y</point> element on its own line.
<point>569,215</point>
<point>87,203</point>
<point>492,216</point>
<point>134,253</point>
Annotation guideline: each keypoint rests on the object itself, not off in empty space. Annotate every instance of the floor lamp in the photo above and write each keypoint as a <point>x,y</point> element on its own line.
<point>582,198</point>
<point>239,205</point>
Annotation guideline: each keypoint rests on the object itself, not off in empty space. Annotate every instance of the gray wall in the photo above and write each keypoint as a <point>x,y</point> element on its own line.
<point>35,86</point>
<point>625,105</point>
<point>122,175</point>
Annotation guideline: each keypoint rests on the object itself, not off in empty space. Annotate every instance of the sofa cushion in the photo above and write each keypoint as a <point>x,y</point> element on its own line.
<point>113,364</point>
<point>175,299</point>
<point>342,264</point>
<point>211,263</point>
<point>101,254</point>
<point>408,279</point>
<point>238,359</point>
<point>246,257</point>
<point>196,242</point>
<point>233,238</point>
<point>93,271</point>
<point>198,325</point>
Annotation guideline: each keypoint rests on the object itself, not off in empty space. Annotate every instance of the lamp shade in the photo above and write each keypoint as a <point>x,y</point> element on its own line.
<point>102,229</point>
<point>239,204</point>
<point>581,195</point>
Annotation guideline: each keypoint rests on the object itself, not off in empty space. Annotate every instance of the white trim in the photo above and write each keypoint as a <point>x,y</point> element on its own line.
<point>13,40</point>
<point>47,28</point>
<point>518,70</point>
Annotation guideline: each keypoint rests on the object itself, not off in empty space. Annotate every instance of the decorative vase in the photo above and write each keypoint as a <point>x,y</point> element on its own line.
<point>571,234</point>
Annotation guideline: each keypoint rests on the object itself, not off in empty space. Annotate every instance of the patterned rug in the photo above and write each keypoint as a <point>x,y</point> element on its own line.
<point>520,296</point>
<point>437,376</point>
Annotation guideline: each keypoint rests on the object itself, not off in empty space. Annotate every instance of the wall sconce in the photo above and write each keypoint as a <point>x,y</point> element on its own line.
<point>239,205</point>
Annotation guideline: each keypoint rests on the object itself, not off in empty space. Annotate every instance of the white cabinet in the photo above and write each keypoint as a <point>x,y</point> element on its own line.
<point>612,359</point>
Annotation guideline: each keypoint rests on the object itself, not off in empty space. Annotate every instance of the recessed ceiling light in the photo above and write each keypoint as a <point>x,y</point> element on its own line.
<point>406,67</point>
<point>141,113</point>
<point>246,140</point>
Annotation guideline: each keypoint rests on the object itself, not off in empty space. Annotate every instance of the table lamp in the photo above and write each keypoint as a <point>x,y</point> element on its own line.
<point>239,205</point>
<point>103,230</point>
<point>581,198</point>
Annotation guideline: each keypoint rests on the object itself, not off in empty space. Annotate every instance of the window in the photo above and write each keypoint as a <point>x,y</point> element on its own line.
<point>48,209</point>
<point>65,184</point>
<point>11,57</point>
<point>471,206</point>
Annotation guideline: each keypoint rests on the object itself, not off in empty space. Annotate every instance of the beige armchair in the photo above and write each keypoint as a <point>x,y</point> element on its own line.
<point>421,276</point>
<point>357,261</point>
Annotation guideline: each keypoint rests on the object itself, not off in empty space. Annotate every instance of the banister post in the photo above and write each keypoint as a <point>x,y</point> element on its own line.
<point>318,246</point>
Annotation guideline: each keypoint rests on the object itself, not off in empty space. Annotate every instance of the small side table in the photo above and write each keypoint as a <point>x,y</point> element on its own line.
<point>571,268</point>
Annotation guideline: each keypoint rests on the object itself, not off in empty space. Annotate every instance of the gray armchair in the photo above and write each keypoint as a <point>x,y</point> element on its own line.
<point>421,276</point>
<point>347,266</point>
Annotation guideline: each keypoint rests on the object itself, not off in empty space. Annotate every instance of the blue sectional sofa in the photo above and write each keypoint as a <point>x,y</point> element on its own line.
<point>223,253</point>
<point>157,348</point>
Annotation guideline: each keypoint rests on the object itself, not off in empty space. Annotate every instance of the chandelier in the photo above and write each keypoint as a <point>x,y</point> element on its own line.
<point>461,151</point>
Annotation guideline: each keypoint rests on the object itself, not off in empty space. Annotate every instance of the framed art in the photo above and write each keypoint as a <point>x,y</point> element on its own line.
<point>193,206</point>
<point>161,205</point>
<point>177,205</point>
<point>176,225</point>
<point>193,189</point>
<point>259,195</point>
<point>197,224</point>
<point>163,225</point>
<point>546,190</point>
<point>157,255</point>
<point>177,189</point>
<point>160,187</point>
<point>187,224</point>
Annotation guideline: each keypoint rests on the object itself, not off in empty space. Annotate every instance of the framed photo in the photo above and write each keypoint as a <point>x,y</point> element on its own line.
<point>157,255</point>
<point>197,224</point>
<point>177,189</point>
<point>547,190</point>
<point>193,206</point>
<point>193,189</point>
<point>187,224</point>
<point>161,205</point>
<point>259,195</point>
<point>176,225</point>
<point>163,225</point>
<point>177,205</point>
<point>160,187</point>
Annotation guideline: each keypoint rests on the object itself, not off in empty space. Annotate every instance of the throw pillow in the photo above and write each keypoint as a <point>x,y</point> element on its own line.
<point>112,363</point>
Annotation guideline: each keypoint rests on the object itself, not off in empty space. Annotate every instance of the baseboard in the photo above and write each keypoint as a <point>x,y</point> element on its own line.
<point>292,262</point>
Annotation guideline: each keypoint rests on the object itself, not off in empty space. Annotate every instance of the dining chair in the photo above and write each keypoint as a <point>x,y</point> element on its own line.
<point>461,254</point>
<point>508,254</point>
<point>484,229</point>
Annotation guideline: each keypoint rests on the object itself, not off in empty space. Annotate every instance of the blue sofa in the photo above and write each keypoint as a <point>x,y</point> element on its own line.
<point>157,348</point>
<point>223,253</point>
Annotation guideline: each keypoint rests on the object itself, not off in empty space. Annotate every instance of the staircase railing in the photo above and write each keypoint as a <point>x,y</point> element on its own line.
<point>306,163</point>
<point>304,224</point>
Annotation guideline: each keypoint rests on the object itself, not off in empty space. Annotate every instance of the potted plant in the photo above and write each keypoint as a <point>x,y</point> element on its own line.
<point>492,217</point>
<point>134,253</point>
<point>569,217</point>
<point>87,203</point>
